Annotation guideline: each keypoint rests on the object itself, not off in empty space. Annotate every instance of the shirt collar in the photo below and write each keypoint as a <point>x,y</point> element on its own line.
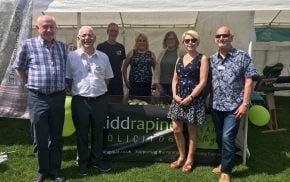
<point>82,53</point>
<point>41,40</point>
<point>230,52</point>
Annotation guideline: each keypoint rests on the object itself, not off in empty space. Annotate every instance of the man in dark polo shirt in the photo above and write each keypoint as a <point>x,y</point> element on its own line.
<point>116,53</point>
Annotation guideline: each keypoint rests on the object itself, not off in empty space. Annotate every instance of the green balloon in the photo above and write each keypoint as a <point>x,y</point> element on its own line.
<point>259,115</point>
<point>68,126</point>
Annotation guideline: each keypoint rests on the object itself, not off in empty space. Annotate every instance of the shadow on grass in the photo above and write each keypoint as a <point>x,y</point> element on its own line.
<point>3,168</point>
<point>18,128</point>
<point>71,171</point>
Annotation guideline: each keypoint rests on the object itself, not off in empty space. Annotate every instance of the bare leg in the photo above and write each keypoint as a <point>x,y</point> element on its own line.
<point>192,136</point>
<point>179,139</point>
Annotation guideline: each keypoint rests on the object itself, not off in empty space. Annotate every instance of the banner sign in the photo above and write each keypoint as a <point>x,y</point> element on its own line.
<point>144,133</point>
<point>272,34</point>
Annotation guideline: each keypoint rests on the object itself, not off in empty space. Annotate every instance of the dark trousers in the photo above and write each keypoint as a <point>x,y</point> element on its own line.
<point>226,126</point>
<point>140,89</point>
<point>47,118</point>
<point>115,86</point>
<point>88,113</point>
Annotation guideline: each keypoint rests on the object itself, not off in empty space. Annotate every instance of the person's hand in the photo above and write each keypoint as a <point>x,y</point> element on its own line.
<point>241,111</point>
<point>159,87</point>
<point>177,98</point>
<point>186,101</point>
<point>127,83</point>
<point>67,91</point>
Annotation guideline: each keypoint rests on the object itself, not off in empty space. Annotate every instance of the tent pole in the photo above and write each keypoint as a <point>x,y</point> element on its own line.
<point>123,28</point>
<point>246,121</point>
<point>245,145</point>
<point>278,13</point>
<point>79,15</point>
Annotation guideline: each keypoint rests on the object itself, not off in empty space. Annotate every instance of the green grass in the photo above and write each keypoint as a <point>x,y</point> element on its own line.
<point>269,161</point>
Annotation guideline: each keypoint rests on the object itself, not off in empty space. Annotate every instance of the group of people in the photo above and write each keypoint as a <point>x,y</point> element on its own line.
<point>48,71</point>
<point>227,77</point>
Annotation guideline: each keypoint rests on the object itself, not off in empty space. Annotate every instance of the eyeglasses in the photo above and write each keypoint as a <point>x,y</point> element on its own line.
<point>190,40</point>
<point>222,35</point>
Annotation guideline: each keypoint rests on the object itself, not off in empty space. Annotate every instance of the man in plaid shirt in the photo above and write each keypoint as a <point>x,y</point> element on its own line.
<point>40,65</point>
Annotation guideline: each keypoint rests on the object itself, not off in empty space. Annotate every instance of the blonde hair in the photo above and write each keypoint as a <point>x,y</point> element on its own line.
<point>141,35</point>
<point>191,33</point>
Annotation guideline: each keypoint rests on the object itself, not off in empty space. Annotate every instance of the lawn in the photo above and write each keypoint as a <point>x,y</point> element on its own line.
<point>269,161</point>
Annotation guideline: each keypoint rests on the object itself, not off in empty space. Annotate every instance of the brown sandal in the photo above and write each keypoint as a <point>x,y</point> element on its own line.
<point>217,170</point>
<point>176,164</point>
<point>187,167</point>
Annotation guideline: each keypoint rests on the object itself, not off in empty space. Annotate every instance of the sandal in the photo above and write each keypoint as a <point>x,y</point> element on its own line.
<point>187,167</point>
<point>176,164</point>
<point>217,170</point>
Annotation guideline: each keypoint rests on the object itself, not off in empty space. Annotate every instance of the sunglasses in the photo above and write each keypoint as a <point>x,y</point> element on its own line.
<point>222,35</point>
<point>190,40</point>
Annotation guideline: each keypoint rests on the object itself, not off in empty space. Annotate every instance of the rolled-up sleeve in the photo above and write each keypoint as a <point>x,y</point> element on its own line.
<point>21,59</point>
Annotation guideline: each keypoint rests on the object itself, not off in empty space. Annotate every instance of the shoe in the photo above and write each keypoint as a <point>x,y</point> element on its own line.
<point>83,170</point>
<point>56,177</point>
<point>187,167</point>
<point>101,166</point>
<point>59,179</point>
<point>218,169</point>
<point>39,178</point>
<point>176,164</point>
<point>225,177</point>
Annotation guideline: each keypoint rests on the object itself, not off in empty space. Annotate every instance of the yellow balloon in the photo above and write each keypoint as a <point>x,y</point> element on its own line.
<point>68,126</point>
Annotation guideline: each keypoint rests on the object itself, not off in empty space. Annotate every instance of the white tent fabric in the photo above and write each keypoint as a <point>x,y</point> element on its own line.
<point>155,17</point>
<point>158,6</point>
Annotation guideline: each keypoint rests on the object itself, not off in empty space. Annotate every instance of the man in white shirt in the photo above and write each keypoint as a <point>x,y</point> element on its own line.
<point>88,73</point>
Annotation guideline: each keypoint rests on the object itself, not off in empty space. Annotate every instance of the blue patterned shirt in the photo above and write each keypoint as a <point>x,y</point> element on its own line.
<point>45,67</point>
<point>228,78</point>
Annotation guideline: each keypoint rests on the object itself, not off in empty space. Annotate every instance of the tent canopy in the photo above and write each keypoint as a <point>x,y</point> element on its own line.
<point>157,5</point>
<point>154,18</point>
<point>157,13</point>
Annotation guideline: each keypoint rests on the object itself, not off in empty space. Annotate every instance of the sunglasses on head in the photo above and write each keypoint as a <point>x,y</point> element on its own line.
<point>190,40</point>
<point>222,35</point>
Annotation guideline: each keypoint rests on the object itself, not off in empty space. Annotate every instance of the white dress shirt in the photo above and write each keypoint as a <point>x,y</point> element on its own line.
<point>88,73</point>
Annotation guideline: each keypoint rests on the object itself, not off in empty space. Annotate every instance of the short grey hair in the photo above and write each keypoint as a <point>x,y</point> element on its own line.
<point>86,27</point>
<point>44,16</point>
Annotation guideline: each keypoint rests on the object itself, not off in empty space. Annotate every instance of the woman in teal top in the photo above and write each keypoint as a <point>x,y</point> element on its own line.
<point>166,63</point>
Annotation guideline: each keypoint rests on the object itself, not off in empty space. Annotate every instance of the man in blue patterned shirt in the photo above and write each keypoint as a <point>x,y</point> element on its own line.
<point>40,65</point>
<point>231,76</point>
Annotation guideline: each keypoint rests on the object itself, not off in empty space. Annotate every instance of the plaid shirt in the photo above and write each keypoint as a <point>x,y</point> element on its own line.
<point>45,67</point>
<point>228,79</point>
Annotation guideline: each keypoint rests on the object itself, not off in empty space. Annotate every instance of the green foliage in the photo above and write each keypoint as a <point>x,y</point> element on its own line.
<point>269,161</point>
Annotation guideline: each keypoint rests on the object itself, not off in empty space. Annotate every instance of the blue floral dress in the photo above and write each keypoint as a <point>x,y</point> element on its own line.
<point>188,78</point>
<point>140,75</point>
